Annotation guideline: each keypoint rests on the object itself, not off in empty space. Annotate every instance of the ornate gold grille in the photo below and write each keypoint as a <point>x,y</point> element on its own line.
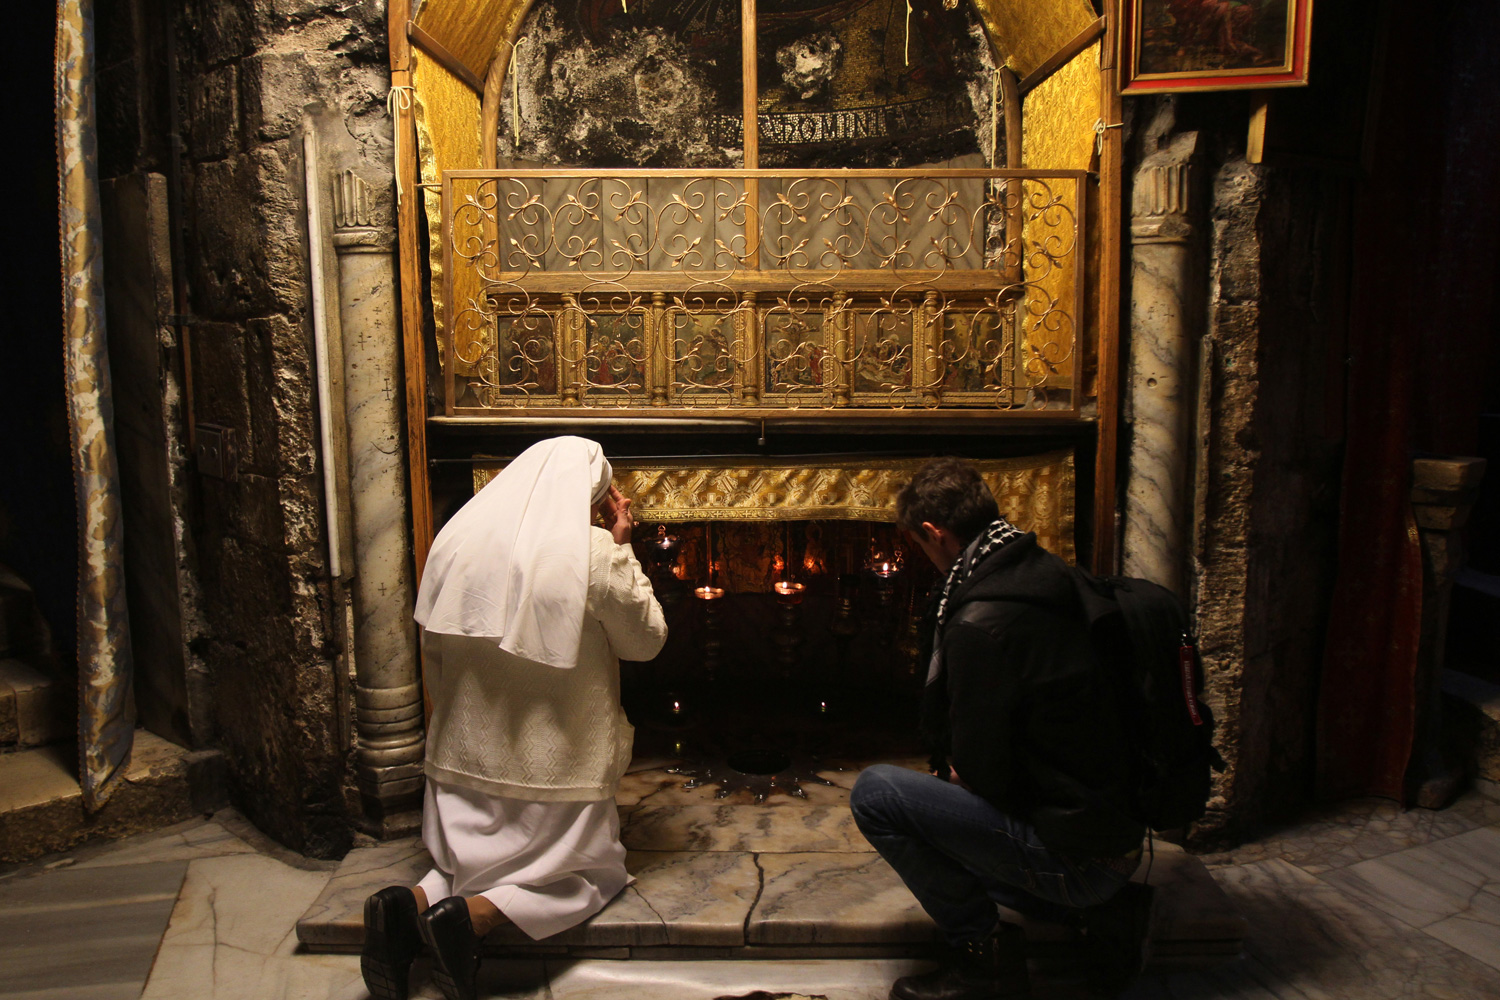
<point>760,291</point>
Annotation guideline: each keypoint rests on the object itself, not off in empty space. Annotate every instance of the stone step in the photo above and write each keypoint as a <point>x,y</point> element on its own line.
<point>35,709</point>
<point>1473,611</point>
<point>41,803</point>
<point>23,631</point>
<point>736,904</point>
<point>1471,710</point>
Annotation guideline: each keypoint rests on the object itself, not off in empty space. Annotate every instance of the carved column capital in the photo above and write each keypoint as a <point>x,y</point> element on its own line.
<point>355,226</point>
<point>1164,203</point>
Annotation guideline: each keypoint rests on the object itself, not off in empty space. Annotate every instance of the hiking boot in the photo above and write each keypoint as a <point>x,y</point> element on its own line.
<point>1117,938</point>
<point>391,942</point>
<point>991,969</point>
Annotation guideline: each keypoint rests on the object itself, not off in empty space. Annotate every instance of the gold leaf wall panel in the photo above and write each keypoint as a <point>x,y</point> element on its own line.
<point>1036,492</point>
<point>448,117</point>
<point>1057,132</point>
<point>1026,32</point>
<point>471,30</point>
<point>1057,117</point>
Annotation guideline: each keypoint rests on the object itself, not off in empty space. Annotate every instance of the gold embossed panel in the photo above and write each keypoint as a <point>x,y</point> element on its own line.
<point>662,290</point>
<point>1036,492</point>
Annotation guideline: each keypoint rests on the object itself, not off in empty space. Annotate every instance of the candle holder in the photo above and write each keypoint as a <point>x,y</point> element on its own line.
<point>787,637</point>
<point>676,708</point>
<point>843,626</point>
<point>910,643</point>
<point>886,575</point>
<point>661,552</point>
<point>710,641</point>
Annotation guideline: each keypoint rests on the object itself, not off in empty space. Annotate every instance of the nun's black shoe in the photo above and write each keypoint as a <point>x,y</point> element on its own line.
<point>449,935</point>
<point>391,942</point>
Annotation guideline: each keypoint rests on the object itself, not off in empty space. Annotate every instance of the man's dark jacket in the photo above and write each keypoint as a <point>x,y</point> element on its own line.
<point>1026,711</point>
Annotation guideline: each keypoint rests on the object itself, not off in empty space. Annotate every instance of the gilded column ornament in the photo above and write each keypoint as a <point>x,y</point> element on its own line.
<point>661,351</point>
<point>838,374</point>
<point>927,330</point>
<point>747,346</point>
<point>572,345</point>
<point>389,738</point>
<point>1165,313</point>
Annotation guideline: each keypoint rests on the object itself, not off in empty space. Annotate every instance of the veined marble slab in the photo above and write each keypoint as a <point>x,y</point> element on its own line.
<point>336,919</point>
<point>94,933</point>
<point>725,827</point>
<point>231,936</point>
<point>705,980</point>
<point>1347,833</point>
<point>835,898</point>
<point>1307,939</point>
<point>1450,888</point>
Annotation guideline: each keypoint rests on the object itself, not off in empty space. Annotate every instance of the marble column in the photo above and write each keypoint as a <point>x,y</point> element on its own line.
<point>1443,491</point>
<point>1166,310</point>
<point>389,737</point>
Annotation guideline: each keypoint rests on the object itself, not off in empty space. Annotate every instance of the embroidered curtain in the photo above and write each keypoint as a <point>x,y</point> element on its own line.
<point>106,705</point>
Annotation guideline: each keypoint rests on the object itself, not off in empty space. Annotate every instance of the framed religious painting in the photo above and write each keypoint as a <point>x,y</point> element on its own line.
<point>1172,46</point>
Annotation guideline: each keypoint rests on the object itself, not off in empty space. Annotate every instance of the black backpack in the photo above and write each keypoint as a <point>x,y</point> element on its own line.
<point>1141,634</point>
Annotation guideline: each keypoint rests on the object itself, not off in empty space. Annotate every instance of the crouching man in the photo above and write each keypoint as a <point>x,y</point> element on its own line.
<point>1032,812</point>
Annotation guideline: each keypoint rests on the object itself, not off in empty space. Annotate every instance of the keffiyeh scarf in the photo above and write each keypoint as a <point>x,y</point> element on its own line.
<point>999,533</point>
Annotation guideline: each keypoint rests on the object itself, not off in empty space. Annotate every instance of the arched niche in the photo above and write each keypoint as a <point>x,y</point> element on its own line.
<point>1059,57</point>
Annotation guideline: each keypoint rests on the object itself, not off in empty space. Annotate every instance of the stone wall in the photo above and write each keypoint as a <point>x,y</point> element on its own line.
<point>1265,459</point>
<point>269,628</point>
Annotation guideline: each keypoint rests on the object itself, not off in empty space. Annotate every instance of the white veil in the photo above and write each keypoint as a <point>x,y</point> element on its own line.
<point>512,565</point>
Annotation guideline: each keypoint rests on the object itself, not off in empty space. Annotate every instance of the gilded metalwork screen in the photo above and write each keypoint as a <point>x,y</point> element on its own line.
<point>851,291</point>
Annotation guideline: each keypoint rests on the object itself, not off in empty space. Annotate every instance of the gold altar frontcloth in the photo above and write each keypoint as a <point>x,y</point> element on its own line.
<point>1036,493</point>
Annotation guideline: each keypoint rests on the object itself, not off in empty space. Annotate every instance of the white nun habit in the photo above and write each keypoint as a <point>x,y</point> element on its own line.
<point>525,610</point>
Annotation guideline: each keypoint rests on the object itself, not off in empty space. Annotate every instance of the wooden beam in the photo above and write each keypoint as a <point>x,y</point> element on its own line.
<point>446,59</point>
<point>489,129</point>
<point>1108,305</point>
<point>1063,56</point>
<point>408,249</point>
<point>1010,106</point>
<point>750,110</point>
<point>815,284</point>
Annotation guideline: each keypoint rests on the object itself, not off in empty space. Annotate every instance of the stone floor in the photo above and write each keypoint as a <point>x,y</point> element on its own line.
<point>721,876</point>
<point>1361,901</point>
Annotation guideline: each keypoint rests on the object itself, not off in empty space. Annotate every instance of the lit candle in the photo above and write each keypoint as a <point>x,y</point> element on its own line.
<point>676,707</point>
<point>708,593</point>
<point>788,588</point>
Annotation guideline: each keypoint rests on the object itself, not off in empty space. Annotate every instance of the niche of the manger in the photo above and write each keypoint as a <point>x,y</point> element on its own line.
<point>773,256</point>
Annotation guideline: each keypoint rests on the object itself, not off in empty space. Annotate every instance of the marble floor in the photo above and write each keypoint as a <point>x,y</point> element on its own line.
<point>1360,901</point>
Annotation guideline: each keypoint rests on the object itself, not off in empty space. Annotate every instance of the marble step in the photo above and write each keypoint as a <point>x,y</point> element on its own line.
<point>41,803</point>
<point>740,904</point>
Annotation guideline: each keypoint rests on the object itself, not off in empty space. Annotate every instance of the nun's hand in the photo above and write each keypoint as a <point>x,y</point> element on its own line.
<point>615,511</point>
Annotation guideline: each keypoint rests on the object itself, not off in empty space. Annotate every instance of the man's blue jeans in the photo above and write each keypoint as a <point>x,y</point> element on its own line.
<point>960,856</point>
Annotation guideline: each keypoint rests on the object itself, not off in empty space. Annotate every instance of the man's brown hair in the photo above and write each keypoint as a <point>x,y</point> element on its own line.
<point>948,493</point>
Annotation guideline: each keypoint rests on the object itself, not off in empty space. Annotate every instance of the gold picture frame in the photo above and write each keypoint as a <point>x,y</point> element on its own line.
<point>1177,46</point>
